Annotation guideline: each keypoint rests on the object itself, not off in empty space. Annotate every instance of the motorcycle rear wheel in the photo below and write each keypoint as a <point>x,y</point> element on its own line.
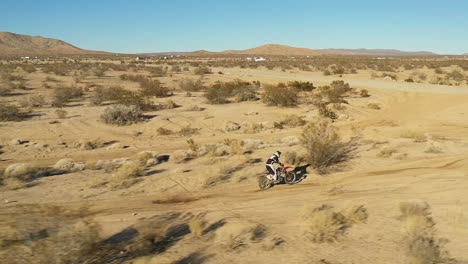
<point>289,177</point>
<point>264,183</point>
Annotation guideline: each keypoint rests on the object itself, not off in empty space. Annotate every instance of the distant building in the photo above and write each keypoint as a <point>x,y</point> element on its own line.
<point>256,59</point>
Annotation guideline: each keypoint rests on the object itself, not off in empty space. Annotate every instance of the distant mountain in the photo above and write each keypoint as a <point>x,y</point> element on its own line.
<point>274,50</point>
<point>376,52</point>
<point>26,45</point>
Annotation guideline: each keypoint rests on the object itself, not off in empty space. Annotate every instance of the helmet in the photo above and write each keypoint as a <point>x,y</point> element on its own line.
<point>277,153</point>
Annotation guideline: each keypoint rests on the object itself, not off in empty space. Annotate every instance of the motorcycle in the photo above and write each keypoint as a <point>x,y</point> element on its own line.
<point>285,175</point>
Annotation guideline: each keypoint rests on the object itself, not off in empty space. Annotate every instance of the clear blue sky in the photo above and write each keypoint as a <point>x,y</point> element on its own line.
<point>184,25</point>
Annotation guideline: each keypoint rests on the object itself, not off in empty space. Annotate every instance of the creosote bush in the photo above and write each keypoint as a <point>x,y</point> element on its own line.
<point>63,95</point>
<point>280,95</point>
<point>189,85</point>
<point>324,146</point>
<point>121,115</point>
<point>220,92</point>
<point>11,113</point>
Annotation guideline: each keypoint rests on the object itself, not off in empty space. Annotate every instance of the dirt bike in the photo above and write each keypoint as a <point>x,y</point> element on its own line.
<point>285,174</point>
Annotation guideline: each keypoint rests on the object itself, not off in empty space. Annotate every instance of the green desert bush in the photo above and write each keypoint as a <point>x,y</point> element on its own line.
<point>335,92</point>
<point>302,86</point>
<point>220,92</point>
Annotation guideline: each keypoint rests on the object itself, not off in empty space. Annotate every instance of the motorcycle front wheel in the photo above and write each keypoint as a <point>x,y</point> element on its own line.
<point>264,183</point>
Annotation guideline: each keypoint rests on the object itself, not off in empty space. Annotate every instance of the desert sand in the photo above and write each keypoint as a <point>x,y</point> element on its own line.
<point>414,148</point>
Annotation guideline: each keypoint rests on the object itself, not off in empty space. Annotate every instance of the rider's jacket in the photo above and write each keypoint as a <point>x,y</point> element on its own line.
<point>272,160</point>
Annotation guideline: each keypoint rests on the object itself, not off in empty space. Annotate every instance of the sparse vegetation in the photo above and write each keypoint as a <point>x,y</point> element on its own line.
<point>421,242</point>
<point>63,95</point>
<point>280,95</point>
<point>324,146</point>
<point>11,113</point>
<point>122,115</point>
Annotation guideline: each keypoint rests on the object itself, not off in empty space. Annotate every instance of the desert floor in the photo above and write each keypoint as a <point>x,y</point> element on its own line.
<point>431,168</point>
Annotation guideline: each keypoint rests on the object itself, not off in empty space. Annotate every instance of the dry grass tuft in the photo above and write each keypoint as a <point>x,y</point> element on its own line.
<point>54,234</point>
<point>181,156</point>
<point>387,152</point>
<point>415,135</point>
<point>357,214</point>
<point>293,121</point>
<point>23,172</point>
<point>196,226</point>
<point>69,165</point>
<point>325,225</point>
<point>126,176</point>
<point>421,242</point>
<point>164,131</point>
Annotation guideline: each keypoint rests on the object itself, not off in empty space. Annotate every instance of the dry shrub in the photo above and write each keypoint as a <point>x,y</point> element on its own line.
<point>5,90</point>
<point>54,234</point>
<point>324,112</point>
<point>335,92</point>
<point>196,226</point>
<point>60,113</point>
<point>373,106</point>
<point>421,242</point>
<point>433,147</point>
<point>33,101</point>
<point>23,172</point>
<point>231,126</point>
<point>11,113</point>
<point>387,152</point>
<point>126,176</point>
<point>63,95</point>
<point>193,108</point>
<point>121,115</point>
<point>302,86</point>
<point>93,144</point>
<point>357,214</point>
<point>170,104</point>
<point>147,157</point>
<point>153,88</point>
<point>280,95</point>
<point>220,92</point>
<point>188,131</point>
<point>413,208</point>
<point>236,147</point>
<point>324,146</point>
<point>291,157</point>
<point>293,121</point>
<point>364,93</point>
<point>415,135</point>
<point>181,156</point>
<point>202,70</point>
<point>69,165</point>
<point>325,225</point>
<point>164,131</point>
<point>189,85</point>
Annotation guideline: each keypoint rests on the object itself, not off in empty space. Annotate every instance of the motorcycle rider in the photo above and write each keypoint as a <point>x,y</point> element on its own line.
<point>269,165</point>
